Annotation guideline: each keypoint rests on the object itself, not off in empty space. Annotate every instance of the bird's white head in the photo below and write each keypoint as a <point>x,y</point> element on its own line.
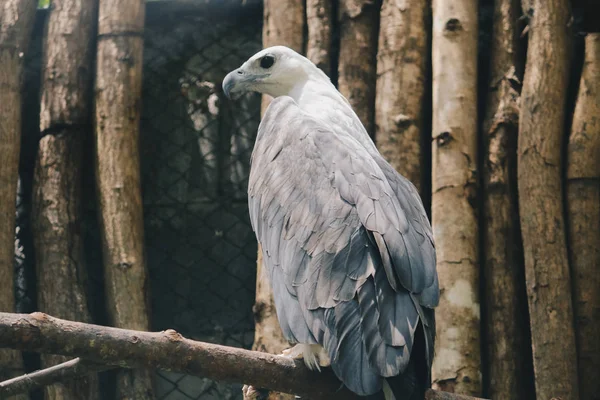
<point>276,71</point>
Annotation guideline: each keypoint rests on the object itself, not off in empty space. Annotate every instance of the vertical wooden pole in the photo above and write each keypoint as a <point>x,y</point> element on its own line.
<point>118,106</point>
<point>16,23</point>
<point>283,24</point>
<point>541,135</point>
<point>456,367</point>
<point>506,343</point>
<point>65,121</point>
<point>583,205</point>
<point>357,65</point>
<point>319,15</point>
<point>402,59</point>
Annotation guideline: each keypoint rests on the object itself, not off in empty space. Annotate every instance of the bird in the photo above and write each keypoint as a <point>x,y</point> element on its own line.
<point>347,245</point>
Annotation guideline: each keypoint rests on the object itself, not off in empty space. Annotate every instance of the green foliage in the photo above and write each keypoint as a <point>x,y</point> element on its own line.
<point>43,3</point>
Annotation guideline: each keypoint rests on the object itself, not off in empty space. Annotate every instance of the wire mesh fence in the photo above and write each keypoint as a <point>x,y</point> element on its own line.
<point>195,152</point>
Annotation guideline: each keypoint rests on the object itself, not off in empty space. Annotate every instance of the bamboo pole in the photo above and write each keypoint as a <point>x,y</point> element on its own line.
<point>541,133</point>
<point>402,60</point>
<point>583,205</point>
<point>357,64</point>
<point>456,367</point>
<point>506,342</point>
<point>65,121</point>
<point>16,23</point>
<point>118,103</point>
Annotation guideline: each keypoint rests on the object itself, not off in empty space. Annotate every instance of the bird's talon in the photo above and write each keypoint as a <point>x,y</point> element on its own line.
<point>251,393</point>
<point>294,352</point>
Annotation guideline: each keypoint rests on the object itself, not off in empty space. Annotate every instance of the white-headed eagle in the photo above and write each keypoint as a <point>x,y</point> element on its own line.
<point>345,239</point>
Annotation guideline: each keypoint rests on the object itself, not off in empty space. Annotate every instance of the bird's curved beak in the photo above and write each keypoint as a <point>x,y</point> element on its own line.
<point>234,82</point>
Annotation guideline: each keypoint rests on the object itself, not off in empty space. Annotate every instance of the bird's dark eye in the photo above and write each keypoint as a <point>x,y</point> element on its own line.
<point>267,62</point>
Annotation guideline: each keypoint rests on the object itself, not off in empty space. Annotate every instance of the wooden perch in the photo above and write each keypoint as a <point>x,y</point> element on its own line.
<point>171,351</point>
<point>68,370</point>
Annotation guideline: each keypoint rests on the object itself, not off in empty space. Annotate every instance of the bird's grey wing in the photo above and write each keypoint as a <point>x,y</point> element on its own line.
<point>412,206</point>
<point>418,235</point>
<point>324,214</point>
<point>342,122</point>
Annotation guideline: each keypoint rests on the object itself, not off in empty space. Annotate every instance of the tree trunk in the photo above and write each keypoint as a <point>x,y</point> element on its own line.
<point>319,14</point>
<point>583,201</point>
<point>283,24</point>
<point>118,103</point>
<point>508,351</point>
<point>16,22</point>
<point>541,127</point>
<point>402,61</point>
<point>64,122</point>
<point>357,65</point>
<point>456,367</point>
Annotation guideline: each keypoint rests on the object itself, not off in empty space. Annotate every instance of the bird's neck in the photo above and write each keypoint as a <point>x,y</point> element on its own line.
<point>317,96</point>
<point>315,85</point>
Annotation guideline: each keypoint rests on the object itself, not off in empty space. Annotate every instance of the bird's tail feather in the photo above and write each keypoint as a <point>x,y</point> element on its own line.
<point>415,380</point>
<point>388,393</point>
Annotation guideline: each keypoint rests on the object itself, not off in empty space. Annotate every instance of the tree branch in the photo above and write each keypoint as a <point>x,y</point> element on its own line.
<point>58,373</point>
<point>166,350</point>
<point>439,395</point>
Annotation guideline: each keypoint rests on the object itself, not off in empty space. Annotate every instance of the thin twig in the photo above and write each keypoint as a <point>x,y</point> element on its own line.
<point>58,373</point>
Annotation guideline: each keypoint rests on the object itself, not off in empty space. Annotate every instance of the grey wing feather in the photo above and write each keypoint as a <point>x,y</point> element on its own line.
<point>348,266</point>
<point>356,371</point>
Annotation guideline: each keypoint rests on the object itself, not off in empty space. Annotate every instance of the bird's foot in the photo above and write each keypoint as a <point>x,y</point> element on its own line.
<point>314,355</point>
<point>252,393</point>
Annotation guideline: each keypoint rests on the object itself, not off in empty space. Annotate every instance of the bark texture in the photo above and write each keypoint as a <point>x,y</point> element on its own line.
<point>456,367</point>
<point>508,351</point>
<point>16,22</point>
<point>118,104</point>
<point>283,24</point>
<point>357,64</point>
<point>171,351</point>
<point>583,204</point>
<point>402,60</point>
<point>319,14</point>
<point>56,211</point>
<point>541,127</point>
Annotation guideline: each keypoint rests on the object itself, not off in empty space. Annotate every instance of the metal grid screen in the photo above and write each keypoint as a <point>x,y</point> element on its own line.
<point>195,153</point>
<point>195,163</point>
